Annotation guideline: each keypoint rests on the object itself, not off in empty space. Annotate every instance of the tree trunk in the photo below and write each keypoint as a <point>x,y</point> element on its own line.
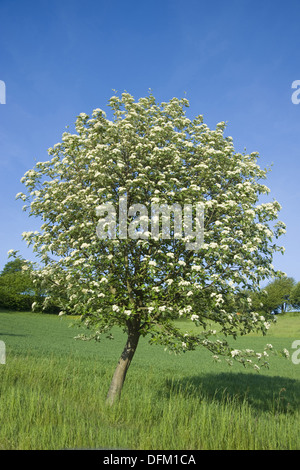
<point>118,379</point>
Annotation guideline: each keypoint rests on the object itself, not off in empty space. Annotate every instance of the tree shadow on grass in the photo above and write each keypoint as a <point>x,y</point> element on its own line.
<point>265,394</point>
<point>11,334</point>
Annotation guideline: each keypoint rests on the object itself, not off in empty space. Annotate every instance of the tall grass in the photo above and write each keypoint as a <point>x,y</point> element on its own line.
<point>54,398</point>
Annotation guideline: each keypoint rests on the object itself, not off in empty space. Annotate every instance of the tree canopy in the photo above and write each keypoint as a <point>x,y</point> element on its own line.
<point>276,297</point>
<point>18,291</point>
<point>295,296</point>
<point>133,276</point>
<point>16,286</point>
<point>13,266</point>
<point>278,294</point>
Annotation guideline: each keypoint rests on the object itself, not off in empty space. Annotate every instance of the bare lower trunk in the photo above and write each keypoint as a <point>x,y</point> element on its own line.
<point>118,379</point>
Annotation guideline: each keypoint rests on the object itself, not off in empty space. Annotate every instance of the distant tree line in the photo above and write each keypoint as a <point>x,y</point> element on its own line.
<point>17,290</point>
<point>278,297</point>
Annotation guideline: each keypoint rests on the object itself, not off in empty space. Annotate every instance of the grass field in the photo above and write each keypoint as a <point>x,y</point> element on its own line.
<point>53,391</point>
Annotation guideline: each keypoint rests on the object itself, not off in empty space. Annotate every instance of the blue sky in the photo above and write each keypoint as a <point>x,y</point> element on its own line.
<point>235,61</point>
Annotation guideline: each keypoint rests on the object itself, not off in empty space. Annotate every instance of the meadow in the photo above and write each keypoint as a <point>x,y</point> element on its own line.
<point>53,391</point>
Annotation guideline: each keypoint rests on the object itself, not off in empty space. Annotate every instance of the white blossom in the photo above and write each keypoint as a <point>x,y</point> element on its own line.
<point>182,263</point>
<point>235,352</point>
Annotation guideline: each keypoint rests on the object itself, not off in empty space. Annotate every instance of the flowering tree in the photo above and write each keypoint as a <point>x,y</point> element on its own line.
<point>124,272</point>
